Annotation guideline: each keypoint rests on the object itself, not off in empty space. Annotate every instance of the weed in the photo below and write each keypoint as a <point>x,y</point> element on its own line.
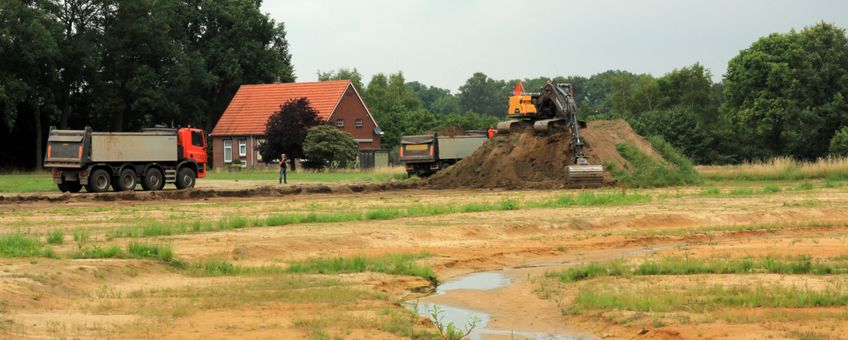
<point>771,189</point>
<point>644,171</point>
<point>804,186</point>
<point>81,237</point>
<point>56,237</point>
<point>162,252</point>
<point>710,192</point>
<point>98,253</point>
<point>508,204</point>
<point>19,245</point>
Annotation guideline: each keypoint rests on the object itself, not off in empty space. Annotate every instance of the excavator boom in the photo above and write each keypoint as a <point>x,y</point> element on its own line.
<point>554,107</point>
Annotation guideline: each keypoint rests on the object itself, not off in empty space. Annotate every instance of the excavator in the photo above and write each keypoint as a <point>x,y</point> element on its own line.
<point>554,108</point>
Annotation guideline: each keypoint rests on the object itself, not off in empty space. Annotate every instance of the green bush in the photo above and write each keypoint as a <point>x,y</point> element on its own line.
<point>839,143</point>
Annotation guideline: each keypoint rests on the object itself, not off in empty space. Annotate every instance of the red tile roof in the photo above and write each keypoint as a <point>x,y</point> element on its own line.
<point>253,104</point>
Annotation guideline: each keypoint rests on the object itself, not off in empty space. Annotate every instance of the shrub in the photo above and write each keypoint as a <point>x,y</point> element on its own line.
<point>839,143</point>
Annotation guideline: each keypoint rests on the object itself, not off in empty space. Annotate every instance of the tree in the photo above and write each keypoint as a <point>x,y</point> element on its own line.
<point>287,129</point>
<point>786,92</point>
<point>343,74</point>
<point>839,143</point>
<point>484,95</point>
<point>330,147</point>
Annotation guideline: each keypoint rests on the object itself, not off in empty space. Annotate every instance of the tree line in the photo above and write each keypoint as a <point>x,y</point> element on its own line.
<point>121,65</point>
<point>782,96</point>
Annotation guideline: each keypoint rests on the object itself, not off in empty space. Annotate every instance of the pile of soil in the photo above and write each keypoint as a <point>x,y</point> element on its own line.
<point>526,160</point>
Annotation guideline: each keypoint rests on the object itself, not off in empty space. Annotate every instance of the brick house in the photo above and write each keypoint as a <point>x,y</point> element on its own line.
<point>241,129</point>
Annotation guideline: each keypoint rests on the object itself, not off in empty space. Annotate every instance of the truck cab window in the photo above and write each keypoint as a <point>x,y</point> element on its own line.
<point>197,138</point>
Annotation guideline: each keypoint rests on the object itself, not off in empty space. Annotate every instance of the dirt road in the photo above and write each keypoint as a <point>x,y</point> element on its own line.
<point>131,297</point>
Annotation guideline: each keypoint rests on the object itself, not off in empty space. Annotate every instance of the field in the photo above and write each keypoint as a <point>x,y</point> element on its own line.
<point>733,257</point>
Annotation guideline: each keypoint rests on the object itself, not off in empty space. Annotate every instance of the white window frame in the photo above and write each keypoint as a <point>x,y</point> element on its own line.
<point>242,147</point>
<point>228,151</point>
<point>340,122</point>
<point>358,122</point>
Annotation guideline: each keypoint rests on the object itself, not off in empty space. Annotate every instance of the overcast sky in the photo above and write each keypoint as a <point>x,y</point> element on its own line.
<point>443,42</point>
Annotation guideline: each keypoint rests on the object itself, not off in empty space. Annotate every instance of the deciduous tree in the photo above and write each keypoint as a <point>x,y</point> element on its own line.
<point>287,129</point>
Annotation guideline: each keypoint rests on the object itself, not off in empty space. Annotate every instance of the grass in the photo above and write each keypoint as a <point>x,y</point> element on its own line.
<point>781,168</point>
<point>56,237</point>
<point>689,266</point>
<point>353,175</point>
<point>395,264</point>
<point>162,252</point>
<point>99,253</point>
<point>646,172</point>
<point>702,298</point>
<point>27,182</point>
<point>587,198</point>
<point>19,245</point>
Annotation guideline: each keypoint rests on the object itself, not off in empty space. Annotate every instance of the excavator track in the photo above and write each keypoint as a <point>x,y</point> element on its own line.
<point>546,125</point>
<point>511,126</point>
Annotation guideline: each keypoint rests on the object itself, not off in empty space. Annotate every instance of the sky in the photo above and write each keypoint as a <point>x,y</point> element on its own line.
<point>443,42</point>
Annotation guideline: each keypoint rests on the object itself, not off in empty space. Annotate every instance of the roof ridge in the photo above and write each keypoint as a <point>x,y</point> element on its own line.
<point>298,83</point>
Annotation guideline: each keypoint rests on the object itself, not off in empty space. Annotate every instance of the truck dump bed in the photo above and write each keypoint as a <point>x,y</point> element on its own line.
<point>151,146</point>
<point>459,147</point>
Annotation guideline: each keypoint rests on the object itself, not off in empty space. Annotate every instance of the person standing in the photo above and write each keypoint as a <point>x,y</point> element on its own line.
<point>283,169</point>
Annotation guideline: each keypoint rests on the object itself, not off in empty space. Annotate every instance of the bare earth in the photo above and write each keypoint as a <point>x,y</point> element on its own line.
<point>133,298</point>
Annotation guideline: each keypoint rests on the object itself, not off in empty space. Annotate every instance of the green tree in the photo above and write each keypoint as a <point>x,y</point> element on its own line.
<point>484,95</point>
<point>839,143</point>
<point>29,55</point>
<point>786,92</point>
<point>690,88</point>
<point>287,129</point>
<point>343,74</point>
<point>330,147</point>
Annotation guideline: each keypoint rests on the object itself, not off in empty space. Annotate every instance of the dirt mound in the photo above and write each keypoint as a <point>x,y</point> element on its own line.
<point>527,160</point>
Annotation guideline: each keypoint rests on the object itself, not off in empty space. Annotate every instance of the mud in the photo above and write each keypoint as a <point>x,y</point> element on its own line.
<point>526,160</point>
<point>196,194</point>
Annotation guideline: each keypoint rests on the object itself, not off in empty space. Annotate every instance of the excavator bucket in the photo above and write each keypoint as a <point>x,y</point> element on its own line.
<point>584,176</point>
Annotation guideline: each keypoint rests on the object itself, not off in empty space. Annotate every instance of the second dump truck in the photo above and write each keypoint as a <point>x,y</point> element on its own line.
<point>424,155</point>
<point>121,160</point>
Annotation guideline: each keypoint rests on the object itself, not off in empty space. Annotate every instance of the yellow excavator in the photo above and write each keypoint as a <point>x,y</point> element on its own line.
<point>554,108</point>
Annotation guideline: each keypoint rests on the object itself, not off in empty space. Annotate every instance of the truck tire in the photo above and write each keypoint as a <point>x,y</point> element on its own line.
<point>62,187</point>
<point>99,181</point>
<point>73,187</point>
<point>185,178</point>
<point>153,180</point>
<point>126,181</point>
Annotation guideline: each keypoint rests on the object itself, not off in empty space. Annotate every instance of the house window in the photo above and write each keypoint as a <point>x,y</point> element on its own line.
<point>242,147</point>
<point>340,123</point>
<point>358,123</point>
<point>228,151</point>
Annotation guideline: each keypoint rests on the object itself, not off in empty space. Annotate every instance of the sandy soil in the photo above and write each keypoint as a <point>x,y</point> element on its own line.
<point>131,298</point>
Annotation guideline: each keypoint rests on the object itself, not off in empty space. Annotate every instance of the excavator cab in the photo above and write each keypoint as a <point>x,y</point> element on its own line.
<point>521,104</point>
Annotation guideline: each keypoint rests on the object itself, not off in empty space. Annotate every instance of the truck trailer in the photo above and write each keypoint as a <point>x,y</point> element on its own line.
<point>121,160</point>
<point>424,155</point>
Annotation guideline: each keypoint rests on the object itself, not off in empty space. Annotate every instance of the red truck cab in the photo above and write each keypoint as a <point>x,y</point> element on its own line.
<point>192,142</point>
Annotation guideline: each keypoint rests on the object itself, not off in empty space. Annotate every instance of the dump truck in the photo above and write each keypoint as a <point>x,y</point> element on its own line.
<point>424,155</point>
<point>121,160</point>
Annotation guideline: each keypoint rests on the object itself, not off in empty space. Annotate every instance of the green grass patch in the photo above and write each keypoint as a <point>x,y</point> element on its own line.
<point>771,189</point>
<point>162,252</point>
<point>310,176</point>
<point>398,264</point>
<point>27,182</point>
<point>96,252</point>
<point>19,245</point>
<point>643,171</point>
<point>702,298</point>
<point>56,237</point>
<point>688,266</point>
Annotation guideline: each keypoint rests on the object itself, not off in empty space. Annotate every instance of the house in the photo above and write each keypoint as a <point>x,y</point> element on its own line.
<point>241,129</point>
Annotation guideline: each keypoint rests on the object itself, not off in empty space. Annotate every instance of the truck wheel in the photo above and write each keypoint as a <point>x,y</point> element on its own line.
<point>126,181</point>
<point>73,187</point>
<point>62,187</point>
<point>185,178</point>
<point>98,181</point>
<point>153,180</point>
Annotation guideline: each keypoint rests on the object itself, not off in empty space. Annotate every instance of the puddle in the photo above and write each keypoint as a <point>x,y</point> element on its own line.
<point>462,317</point>
<point>476,281</point>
